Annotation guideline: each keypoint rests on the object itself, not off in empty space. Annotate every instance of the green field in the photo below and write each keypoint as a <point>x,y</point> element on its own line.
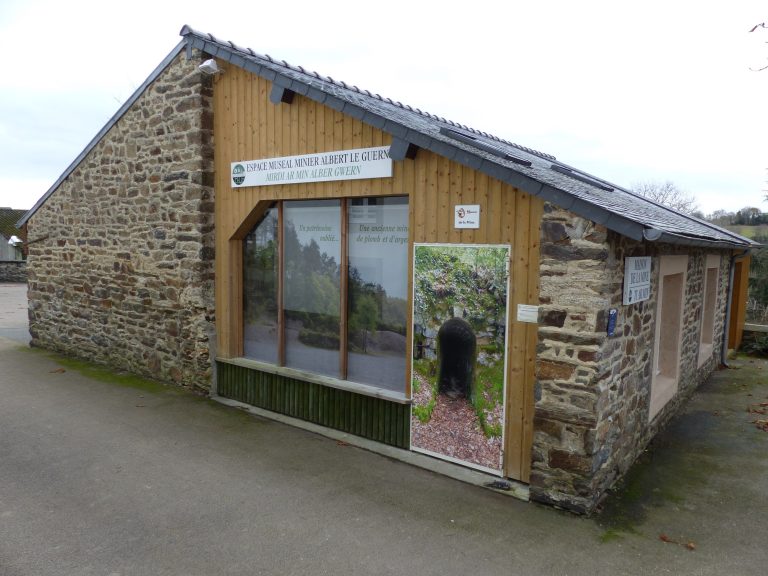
<point>750,232</point>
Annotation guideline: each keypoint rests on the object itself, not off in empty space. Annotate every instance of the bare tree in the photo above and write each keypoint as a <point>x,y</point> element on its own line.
<point>766,194</point>
<point>668,194</point>
<point>761,25</point>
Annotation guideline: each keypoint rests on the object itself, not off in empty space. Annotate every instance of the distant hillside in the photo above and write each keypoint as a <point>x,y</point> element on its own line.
<point>750,231</point>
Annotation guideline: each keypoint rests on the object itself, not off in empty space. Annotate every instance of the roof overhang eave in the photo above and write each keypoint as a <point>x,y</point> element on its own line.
<point>662,237</point>
<point>518,179</point>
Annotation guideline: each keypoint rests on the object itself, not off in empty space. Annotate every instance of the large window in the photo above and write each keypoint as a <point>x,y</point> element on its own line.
<point>324,289</point>
<point>260,282</point>
<point>378,282</point>
<point>312,286</point>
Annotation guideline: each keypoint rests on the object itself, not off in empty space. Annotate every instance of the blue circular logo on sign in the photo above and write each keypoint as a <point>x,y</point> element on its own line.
<point>237,174</point>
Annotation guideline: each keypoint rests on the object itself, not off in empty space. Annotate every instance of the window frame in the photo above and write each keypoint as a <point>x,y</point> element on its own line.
<point>281,368</point>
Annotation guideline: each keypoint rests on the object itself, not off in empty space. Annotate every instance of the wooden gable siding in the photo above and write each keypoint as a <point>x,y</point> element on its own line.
<point>247,126</point>
<point>739,299</point>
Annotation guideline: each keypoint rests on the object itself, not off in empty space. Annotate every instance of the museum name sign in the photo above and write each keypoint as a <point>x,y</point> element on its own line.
<point>325,166</point>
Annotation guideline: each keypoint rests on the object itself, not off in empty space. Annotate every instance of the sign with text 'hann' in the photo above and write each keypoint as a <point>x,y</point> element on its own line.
<point>324,166</point>
<point>637,279</point>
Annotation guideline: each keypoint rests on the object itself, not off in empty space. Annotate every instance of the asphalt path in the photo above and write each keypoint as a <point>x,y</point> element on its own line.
<point>103,474</point>
<point>13,312</point>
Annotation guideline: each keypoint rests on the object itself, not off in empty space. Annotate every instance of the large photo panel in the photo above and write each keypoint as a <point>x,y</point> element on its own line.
<point>459,352</point>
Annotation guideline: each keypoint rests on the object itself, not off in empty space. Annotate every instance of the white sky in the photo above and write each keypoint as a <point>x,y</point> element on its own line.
<point>658,90</point>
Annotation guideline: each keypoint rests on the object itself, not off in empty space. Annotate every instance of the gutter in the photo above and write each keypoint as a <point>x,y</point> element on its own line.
<point>663,237</point>
<point>726,327</point>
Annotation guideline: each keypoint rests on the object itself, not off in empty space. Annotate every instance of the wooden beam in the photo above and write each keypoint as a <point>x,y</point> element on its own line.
<point>344,296</point>
<point>280,286</point>
<point>280,95</point>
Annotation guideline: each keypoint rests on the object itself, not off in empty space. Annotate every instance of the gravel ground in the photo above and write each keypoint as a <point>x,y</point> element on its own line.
<point>454,431</point>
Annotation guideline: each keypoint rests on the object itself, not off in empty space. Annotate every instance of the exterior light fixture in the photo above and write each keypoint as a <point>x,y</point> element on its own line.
<point>209,67</point>
<point>14,241</point>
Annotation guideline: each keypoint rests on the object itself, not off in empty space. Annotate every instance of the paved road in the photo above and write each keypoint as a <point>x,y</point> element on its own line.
<point>14,323</point>
<point>108,475</point>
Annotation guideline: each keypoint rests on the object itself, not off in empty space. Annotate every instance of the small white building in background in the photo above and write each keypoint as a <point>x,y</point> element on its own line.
<point>11,242</point>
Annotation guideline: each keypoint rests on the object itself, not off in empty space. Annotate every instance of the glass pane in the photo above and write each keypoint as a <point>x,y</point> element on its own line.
<point>260,290</point>
<point>312,243</point>
<point>378,282</point>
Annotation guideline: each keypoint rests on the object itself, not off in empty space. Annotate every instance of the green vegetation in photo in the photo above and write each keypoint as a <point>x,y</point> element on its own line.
<point>424,411</point>
<point>489,386</point>
<point>756,343</point>
<point>472,280</point>
<point>425,370</point>
<point>260,271</point>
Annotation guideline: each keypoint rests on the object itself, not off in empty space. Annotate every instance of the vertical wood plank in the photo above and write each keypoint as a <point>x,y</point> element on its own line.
<point>343,292</point>
<point>236,298</point>
<point>280,287</point>
<point>408,186</point>
<point>516,382</point>
<point>444,202</point>
<point>432,207</point>
<point>536,212</point>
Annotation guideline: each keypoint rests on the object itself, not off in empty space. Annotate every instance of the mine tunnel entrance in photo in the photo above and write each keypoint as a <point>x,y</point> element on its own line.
<point>456,354</point>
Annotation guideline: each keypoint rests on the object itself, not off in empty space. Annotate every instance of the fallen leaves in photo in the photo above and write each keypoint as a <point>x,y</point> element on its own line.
<point>761,409</point>
<point>688,545</point>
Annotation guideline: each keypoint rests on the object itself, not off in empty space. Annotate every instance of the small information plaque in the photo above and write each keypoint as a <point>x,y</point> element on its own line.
<point>466,216</point>
<point>637,279</point>
<point>527,313</point>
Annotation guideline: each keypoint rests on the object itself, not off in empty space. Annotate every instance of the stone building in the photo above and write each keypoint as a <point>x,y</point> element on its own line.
<point>121,246</point>
<point>297,244</point>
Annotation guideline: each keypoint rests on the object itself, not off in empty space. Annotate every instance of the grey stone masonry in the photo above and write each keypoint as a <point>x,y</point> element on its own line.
<point>121,255</point>
<point>14,271</point>
<point>593,391</point>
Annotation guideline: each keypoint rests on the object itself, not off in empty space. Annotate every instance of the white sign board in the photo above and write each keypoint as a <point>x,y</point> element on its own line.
<point>637,279</point>
<point>466,216</point>
<point>527,313</point>
<point>324,166</point>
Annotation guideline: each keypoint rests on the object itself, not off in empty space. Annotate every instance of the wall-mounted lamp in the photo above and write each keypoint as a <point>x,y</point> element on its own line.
<point>14,241</point>
<point>209,67</point>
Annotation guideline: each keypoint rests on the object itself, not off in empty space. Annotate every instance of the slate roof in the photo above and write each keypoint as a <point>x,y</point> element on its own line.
<point>535,172</point>
<point>8,219</point>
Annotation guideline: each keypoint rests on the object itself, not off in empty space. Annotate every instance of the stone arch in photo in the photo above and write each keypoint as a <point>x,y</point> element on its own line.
<point>457,346</point>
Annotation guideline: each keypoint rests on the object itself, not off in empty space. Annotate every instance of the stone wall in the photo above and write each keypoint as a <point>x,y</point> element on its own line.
<point>13,271</point>
<point>593,391</point>
<point>121,255</point>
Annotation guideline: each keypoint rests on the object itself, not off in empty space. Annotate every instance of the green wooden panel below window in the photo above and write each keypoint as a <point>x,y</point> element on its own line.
<point>373,418</point>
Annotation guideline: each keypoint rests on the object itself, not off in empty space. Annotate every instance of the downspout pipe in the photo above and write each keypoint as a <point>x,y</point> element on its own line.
<point>728,306</point>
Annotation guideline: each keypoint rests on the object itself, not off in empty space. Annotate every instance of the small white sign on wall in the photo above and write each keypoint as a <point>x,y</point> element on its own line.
<point>466,216</point>
<point>637,279</point>
<point>527,313</point>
